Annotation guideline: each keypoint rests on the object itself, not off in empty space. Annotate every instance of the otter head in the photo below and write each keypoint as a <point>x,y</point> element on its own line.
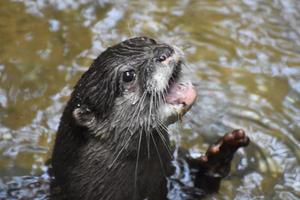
<point>133,86</point>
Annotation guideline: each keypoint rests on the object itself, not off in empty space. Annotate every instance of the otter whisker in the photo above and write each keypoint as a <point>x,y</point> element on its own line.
<point>163,96</point>
<point>158,154</point>
<point>123,147</point>
<point>141,101</point>
<point>139,105</point>
<point>126,143</point>
<point>156,101</point>
<point>179,127</point>
<point>160,98</point>
<point>163,128</point>
<point>162,125</point>
<point>150,110</point>
<point>130,30</point>
<point>148,125</point>
<point>160,130</point>
<point>165,144</point>
<point>137,161</point>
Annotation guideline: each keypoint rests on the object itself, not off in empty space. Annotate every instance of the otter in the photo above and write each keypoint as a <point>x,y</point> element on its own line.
<point>112,142</point>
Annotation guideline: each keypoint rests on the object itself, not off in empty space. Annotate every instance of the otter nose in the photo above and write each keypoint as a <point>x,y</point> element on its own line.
<point>165,49</point>
<point>163,53</point>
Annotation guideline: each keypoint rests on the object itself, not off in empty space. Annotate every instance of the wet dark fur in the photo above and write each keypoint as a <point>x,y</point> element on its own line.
<point>112,142</point>
<point>87,163</point>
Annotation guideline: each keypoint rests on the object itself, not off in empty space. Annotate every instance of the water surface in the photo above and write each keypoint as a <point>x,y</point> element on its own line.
<point>244,57</point>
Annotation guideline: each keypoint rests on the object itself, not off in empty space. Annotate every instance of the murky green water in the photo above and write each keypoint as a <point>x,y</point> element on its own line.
<point>244,57</point>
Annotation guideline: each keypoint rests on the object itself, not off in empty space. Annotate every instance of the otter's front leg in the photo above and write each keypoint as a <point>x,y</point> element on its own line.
<point>215,164</point>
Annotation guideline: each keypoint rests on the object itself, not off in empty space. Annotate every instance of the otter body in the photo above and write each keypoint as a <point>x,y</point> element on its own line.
<point>84,172</point>
<point>112,142</point>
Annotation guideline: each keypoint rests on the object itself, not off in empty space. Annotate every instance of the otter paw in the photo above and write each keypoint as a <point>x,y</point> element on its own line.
<point>228,145</point>
<point>219,156</point>
<point>236,138</point>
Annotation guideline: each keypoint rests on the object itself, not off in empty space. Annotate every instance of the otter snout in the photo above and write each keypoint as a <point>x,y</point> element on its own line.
<point>179,94</point>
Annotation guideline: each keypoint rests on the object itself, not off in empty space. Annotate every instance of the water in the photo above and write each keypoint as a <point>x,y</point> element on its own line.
<point>244,57</point>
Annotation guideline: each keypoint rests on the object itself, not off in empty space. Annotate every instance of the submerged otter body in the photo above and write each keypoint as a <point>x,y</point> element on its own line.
<point>112,141</point>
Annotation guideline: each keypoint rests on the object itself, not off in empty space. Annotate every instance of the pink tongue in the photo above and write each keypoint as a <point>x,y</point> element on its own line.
<point>181,94</point>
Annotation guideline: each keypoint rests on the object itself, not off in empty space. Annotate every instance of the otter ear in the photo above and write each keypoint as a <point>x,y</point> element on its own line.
<point>84,116</point>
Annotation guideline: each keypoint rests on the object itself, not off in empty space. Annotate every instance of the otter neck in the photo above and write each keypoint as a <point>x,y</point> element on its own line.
<point>140,145</point>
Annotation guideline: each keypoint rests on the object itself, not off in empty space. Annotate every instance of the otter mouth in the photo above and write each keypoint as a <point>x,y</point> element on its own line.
<point>180,93</point>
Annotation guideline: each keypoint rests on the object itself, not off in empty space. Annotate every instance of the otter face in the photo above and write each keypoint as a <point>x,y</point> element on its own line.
<point>134,85</point>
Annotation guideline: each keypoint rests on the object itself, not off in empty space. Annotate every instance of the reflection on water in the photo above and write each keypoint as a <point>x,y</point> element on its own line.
<point>244,56</point>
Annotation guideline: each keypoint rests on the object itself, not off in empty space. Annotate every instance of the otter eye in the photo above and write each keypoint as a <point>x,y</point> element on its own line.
<point>129,76</point>
<point>162,58</point>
